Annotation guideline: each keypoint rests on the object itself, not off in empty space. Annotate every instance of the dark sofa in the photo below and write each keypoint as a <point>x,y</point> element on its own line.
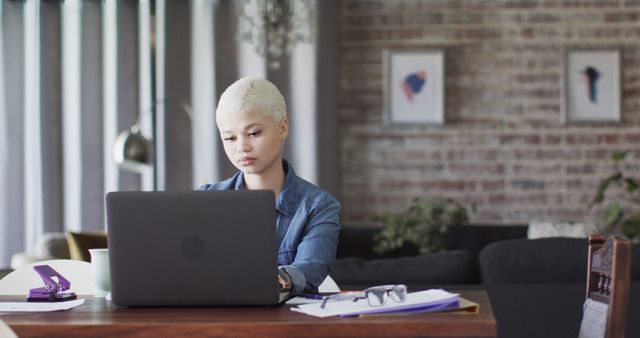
<point>536,287</point>
<point>358,265</point>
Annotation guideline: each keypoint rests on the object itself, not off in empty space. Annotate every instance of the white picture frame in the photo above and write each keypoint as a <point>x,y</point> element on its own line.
<point>413,81</point>
<point>592,82</point>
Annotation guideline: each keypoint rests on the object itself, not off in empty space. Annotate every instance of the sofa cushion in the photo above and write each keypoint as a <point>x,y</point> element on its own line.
<point>358,241</point>
<point>545,260</point>
<point>81,242</point>
<point>52,244</point>
<point>446,267</point>
<point>473,237</point>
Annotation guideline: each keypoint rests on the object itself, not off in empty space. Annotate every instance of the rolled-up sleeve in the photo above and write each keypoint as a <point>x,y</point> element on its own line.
<point>317,249</point>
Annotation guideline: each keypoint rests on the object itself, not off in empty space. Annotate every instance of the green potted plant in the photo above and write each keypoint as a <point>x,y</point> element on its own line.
<point>619,213</point>
<point>424,223</point>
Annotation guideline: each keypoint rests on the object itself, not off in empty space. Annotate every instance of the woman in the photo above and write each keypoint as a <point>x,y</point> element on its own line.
<point>252,120</point>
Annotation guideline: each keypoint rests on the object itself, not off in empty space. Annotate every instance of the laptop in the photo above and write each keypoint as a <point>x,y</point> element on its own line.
<point>193,248</point>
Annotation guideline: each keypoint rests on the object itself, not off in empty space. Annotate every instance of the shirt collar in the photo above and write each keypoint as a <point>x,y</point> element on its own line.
<point>287,202</point>
<point>239,181</point>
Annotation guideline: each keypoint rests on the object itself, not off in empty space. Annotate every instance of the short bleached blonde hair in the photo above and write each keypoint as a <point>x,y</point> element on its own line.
<point>253,94</point>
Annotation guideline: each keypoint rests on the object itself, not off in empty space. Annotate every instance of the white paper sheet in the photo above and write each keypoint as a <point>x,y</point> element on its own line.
<point>302,300</point>
<point>39,306</point>
<point>414,300</point>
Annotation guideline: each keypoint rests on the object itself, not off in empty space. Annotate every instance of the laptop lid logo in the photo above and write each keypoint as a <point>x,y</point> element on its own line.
<point>192,246</point>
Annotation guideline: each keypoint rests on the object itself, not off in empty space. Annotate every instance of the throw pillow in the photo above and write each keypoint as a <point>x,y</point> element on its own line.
<point>446,267</point>
<point>81,242</point>
<point>52,244</point>
<point>560,229</point>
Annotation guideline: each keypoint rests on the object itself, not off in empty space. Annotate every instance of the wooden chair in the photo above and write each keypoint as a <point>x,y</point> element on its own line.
<point>608,279</point>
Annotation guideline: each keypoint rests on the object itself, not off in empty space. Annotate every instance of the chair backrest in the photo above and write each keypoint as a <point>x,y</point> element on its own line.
<point>608,282</point>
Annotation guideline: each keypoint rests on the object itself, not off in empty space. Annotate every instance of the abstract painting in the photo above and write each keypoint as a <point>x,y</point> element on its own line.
<point>414,86</point>
<point>592,86</point>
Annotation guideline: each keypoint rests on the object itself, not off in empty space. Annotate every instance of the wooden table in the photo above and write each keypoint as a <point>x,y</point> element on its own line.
<point>98,318</point>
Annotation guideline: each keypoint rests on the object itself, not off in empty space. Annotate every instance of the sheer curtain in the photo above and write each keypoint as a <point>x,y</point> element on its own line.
<point>74,73</point>
<point>12,215</point>
<point>65,93</point>
<point>4,146</point>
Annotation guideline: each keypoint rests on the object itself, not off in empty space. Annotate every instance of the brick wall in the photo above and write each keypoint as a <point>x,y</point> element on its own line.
<point>504,151</point>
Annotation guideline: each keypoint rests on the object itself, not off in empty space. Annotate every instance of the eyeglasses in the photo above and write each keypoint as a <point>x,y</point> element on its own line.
<point>376,295</point>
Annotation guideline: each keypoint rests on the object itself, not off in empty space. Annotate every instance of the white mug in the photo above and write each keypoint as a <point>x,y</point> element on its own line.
<point>100,266</point>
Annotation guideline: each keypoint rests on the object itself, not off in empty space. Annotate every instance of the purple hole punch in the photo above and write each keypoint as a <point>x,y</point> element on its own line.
<point>54,286</point>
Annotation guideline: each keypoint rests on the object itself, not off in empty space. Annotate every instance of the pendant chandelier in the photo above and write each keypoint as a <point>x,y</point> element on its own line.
<point>275,27</point>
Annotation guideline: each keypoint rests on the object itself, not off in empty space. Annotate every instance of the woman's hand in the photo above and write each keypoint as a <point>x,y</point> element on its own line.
<point>284,280</point>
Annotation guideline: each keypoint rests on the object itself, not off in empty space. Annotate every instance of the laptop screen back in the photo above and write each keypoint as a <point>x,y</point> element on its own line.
<point>192,248</point>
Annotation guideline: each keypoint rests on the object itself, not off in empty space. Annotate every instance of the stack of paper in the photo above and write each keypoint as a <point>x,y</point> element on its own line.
<point>39,306</point>
<point>422,301</point>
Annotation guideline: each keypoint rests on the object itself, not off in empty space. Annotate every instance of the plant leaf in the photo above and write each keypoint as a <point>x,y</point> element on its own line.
<point>632,185</point>
<point>619,156</point>
<point>613,215</point>
<point>631,227</point>
<point>602,188</point>
<point>424,223</point>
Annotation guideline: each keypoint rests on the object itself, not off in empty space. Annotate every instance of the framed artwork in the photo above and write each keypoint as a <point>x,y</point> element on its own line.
<point>592,80</point>
<point>413,86</point>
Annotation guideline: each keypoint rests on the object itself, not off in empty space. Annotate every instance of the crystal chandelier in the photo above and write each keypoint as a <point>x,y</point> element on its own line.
<point>274,27</point>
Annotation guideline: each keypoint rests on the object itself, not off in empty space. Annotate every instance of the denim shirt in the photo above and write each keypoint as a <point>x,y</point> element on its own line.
<point>307,227</point>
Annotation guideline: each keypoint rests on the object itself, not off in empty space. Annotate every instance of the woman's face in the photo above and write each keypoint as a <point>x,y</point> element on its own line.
<point>252,141</point>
